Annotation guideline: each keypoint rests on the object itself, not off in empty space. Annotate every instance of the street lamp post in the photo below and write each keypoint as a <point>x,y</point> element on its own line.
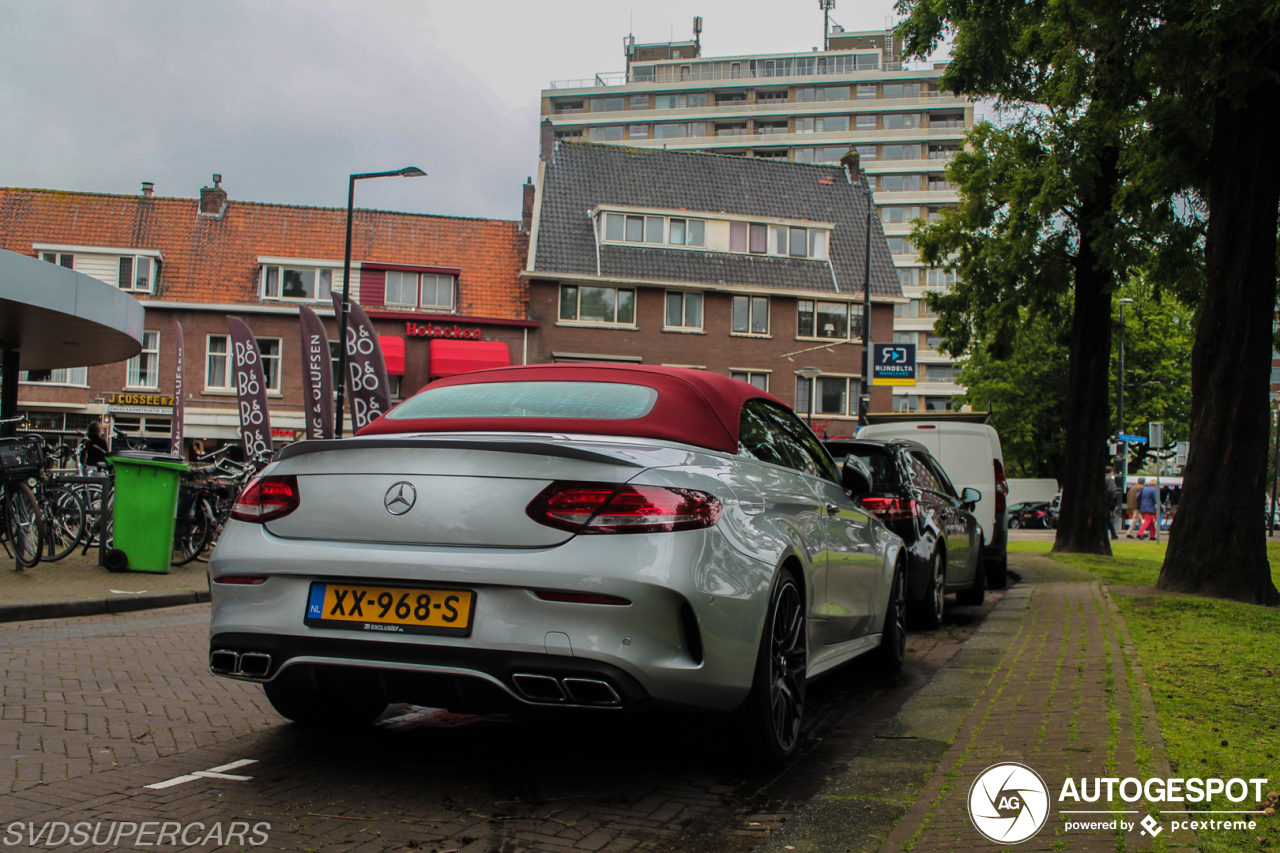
<point>345,308</point>
<point>1123,445</point>
<point>809,373</point>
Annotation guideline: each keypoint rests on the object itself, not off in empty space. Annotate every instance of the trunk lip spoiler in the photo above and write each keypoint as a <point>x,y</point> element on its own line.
<point>544,447</point>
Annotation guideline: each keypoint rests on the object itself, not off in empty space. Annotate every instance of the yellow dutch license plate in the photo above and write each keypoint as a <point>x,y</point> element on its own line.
<point>391,609</point>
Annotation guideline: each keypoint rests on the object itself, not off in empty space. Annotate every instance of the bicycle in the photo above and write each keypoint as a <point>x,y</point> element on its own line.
<point>22,527</point>
<point>62,512</point>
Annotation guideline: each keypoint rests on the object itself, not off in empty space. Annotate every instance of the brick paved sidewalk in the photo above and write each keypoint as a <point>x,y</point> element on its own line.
<point>1050,681</point>
<point>77,586</point>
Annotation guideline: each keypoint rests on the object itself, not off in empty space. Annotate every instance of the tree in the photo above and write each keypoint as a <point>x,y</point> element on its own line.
<point>1221,62</point>
<point>1056,206</point>
<point>1026,392</point>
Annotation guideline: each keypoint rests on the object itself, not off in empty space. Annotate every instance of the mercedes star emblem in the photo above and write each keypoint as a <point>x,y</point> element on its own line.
<point>400,498</point>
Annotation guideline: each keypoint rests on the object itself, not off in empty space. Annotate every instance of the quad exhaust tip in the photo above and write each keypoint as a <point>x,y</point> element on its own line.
<point>546,689</point>
<point>249,664</point>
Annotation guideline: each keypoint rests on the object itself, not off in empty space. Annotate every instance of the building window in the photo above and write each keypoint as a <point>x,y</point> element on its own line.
<point>626,228</point>
<point>933,342</point>
<point>899,215</point>
<point>58,376</point>
<point>866,90</point>
<point>437,291</point>
<point>309,283</point>
<point>937,404</point>
<point>943,152</point>
<point>771,97</point>
<point>804,395</point>
<point>939,373</point>
<point>606,105</point>
<point>679,102</point>
<point>759,238</point>
<point>424,290</point>
<point>751,377</point>
<point>946,120</point>
<point>566,107</point>
<point>610,305</point>
<point>217,367</point>
<point>867,61</point>
<point>269,349</point>
<point>906,403</point>
<point>767,127</point>
<point>822,124</point>
<point>612,133</point>
<point>903,121</point>
<point>401,289</point>
<point>828,395</point>
<point>638,131</point>
<point>901,152</point>
<point>680,130</point>
<point>940,279</point>
<point>904,337</point>
<point>639,102</point>
<point>137,273</point>
<point>940,185</point>
<point>908,278</point>
<point>902,90</point>
<point>822,93</point>
<point>60,259</point>
<point>829,154</point>
<point>751,315</point>
<point>865,152</point>
<point>900,183</point>
<point>684,310</point>
<point>900,246</point>
<point>144,368</point>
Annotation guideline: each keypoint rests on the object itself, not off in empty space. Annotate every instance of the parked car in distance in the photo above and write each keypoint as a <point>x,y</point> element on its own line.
<point>913,495</point>
<point>971,454</point>
<point>1030,514</point>
<point>569,536</point>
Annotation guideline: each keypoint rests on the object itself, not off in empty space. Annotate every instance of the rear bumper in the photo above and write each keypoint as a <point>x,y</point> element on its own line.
<point>689,636</point>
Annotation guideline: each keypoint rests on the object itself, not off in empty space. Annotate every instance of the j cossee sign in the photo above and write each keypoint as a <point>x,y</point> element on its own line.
<point>430,330</point>
<point>122,399</point>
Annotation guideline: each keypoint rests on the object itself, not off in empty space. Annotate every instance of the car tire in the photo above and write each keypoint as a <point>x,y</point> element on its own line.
<point>892,651</point>
<point>998,573</point>
<point>1014,524</point>
<point>308,707</point>
<point>977,593</point>
<point>770,717</point>
<point>927,612</point>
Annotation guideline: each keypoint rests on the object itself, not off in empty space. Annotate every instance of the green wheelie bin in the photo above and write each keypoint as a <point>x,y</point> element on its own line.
<point>143,510</point>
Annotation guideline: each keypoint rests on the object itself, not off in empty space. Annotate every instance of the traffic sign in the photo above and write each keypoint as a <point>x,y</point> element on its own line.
<point>1155,429</point>
<point>1133,439</point>
<point>893,364</point>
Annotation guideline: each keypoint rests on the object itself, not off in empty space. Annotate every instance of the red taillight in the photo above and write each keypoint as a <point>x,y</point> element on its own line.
<point>580,597</point>
<point>606,508</point>
<point>892,509</point>
<point>240,579</point>
<point>1039,512</point>
<point>1002,485</point>
<point>267,498</point>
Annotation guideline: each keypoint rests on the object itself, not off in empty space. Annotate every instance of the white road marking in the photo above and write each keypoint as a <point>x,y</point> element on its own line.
<point>211,773</point>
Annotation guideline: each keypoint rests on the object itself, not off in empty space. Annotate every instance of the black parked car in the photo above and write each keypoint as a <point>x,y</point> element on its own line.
<point>914,497</point>
<point>1031,514</point>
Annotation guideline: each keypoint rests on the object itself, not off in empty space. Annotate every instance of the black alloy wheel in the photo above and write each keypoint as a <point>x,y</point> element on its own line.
<point>927,612</point>
<point>773,711</point>
<point>892,652</point>
<point>1014,523</point>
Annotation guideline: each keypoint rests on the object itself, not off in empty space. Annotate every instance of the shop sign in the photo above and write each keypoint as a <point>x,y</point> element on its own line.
<point>127,398</point>
<point>288,434</point>
<point>454,332</point>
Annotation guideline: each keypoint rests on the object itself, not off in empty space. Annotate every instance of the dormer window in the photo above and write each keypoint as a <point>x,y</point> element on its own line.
<point>296,282</point>
<point>780,238</point>
<point>137,274</point>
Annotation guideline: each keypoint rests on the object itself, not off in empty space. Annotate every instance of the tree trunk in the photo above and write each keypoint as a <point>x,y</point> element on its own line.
<point>1081,519</point>
<point>1218,544</point>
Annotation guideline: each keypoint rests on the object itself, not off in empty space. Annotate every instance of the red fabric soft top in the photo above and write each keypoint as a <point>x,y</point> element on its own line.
<point>693,406</point>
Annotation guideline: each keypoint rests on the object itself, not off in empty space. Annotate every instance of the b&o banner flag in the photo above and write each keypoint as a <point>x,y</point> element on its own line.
<point>318,375</point>
<point>367,386</point>
<point>251,390</point>
<point>175,439</point>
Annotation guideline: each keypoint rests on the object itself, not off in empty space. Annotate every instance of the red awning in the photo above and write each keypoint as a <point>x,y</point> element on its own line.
<point>393,353</point>
<point>449,358</point>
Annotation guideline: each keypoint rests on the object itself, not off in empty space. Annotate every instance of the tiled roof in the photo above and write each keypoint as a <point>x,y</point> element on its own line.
<point>581,175</point>
<point>207,259</point>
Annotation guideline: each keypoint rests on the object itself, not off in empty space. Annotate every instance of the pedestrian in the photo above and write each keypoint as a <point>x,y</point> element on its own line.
<point>1131,504</point>
<point>96,449</point>
<point>1149,505</point>
<point>1112,497</point>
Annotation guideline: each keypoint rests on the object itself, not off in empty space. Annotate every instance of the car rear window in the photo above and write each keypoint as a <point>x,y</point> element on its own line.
<point>609,401</point>
<point>884,470</point>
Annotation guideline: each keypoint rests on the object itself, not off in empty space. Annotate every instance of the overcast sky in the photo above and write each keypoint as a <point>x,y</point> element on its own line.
<point>285,98</point>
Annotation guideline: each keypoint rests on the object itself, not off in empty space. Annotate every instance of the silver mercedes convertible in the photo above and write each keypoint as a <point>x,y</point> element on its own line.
<point>559,536</point>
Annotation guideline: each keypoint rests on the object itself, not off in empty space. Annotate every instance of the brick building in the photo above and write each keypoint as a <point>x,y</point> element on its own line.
<point>749,267</point>
<point>444,292</point>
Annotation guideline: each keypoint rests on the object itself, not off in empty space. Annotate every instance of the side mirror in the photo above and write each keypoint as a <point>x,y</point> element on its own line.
<point>970,497</point>
<point>856,476</point>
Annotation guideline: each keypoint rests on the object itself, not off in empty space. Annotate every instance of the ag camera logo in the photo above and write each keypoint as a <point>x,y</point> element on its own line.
<point>1008,803</point>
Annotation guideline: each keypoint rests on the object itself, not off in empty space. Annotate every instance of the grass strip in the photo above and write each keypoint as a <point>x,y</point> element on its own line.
<point>1214,674</point>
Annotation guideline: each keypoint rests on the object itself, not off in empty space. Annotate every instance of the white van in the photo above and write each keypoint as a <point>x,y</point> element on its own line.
<point>971,455</point>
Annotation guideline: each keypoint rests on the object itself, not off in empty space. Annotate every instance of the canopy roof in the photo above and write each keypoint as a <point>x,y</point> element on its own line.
<point>692,407</point>
<point>56,317</point>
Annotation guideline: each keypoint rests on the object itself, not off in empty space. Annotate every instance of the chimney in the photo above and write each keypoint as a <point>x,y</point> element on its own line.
<point>546,143</point>
<point>852,161</point>
<point>213,200</point>
<point>148,189</point>
<point>526,215</point>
